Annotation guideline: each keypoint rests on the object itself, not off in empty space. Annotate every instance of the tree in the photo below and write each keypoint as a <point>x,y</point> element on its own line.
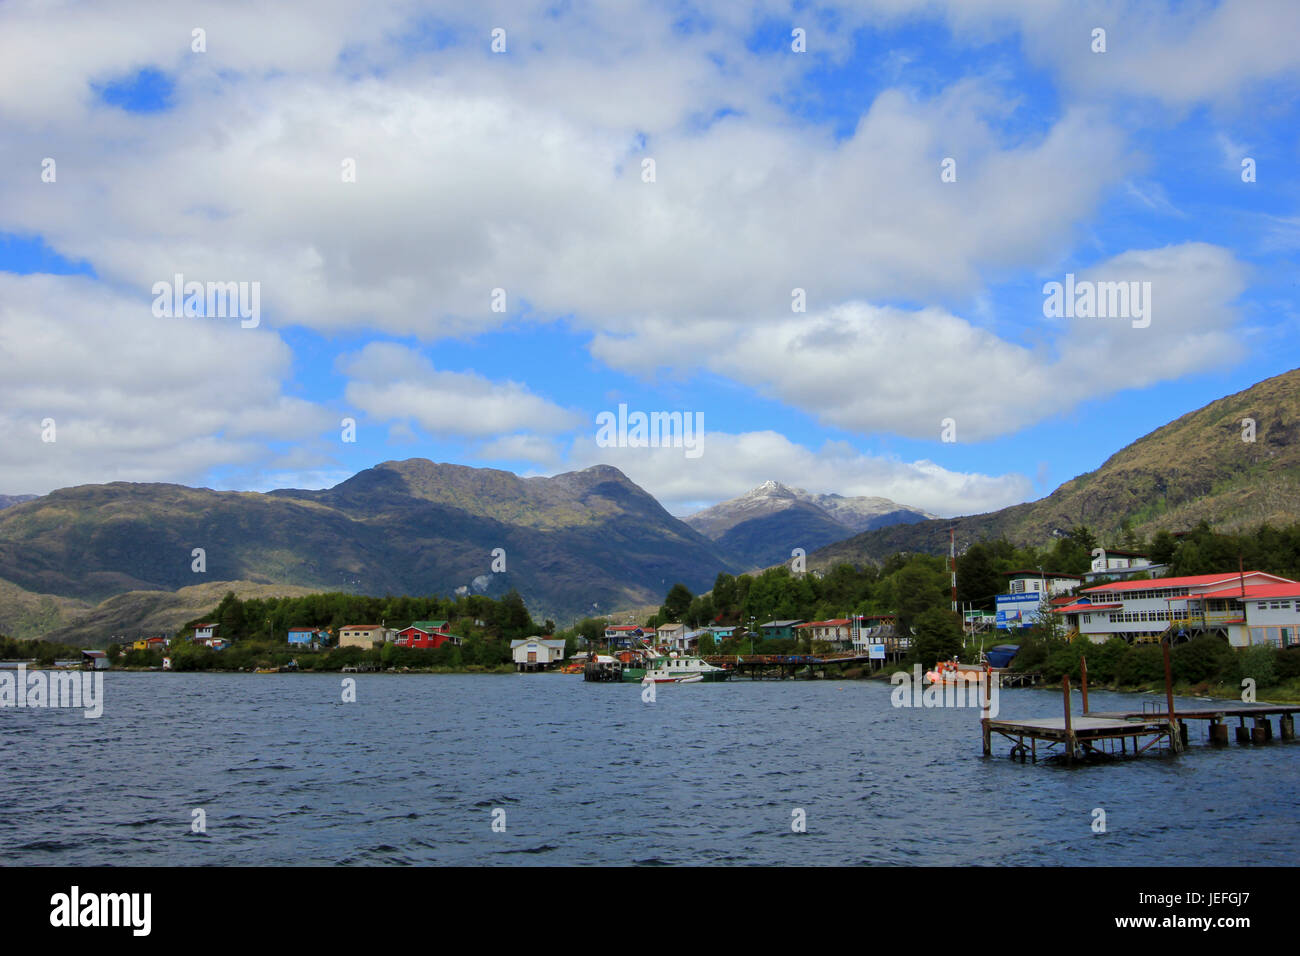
<point>676,603</point>
<point>917,589</point>
<point>1084,538</point>
<point>937,637</point>
<point>977,580</point>
<point>1162,547</point>
<point>724,592</point>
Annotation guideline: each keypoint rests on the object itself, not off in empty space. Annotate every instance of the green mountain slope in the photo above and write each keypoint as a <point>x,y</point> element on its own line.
<point>1195,468</point>
<point>411,527</point>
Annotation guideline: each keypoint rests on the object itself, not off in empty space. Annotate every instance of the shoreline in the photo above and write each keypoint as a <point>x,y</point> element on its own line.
<point>1273,694</point>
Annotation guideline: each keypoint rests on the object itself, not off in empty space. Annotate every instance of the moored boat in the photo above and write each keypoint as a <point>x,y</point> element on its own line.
<point>671,669</point>
<point>954,672</point>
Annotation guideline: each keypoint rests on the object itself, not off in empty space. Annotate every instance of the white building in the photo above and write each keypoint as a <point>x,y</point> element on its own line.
<point>1112,563</point>
<point>1268,612</point>
<point>1051,583</point>
<point>673,635</point>
<point>1027,596</point>
<point>537,653</point>
<point>837,631</point>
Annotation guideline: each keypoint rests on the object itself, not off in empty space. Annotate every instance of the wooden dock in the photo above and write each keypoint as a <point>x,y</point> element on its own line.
<point>783,666</point>
<point>1076,736</point>
<point>1096,733</point>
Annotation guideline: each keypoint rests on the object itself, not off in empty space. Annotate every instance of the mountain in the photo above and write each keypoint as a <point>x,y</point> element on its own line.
<point>579,539</point>
<point>1197,468</point>
<point>763,526</point>
<point>8,500</point>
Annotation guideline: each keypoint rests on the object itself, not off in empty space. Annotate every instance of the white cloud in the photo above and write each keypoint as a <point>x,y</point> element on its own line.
<point>872,369</point>
<point>134,397</point>
<point>733,464</point>
<point>393,383</point>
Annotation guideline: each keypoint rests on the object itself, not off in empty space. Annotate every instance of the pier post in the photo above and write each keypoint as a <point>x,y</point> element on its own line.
<point>1286,724</point>
<point>1218,732</point>
<point>1083,674</point>
<point>1175,741</point>
<point>1259,733</point>
<point>1243,733</point>
<point>1069,728</point>
<point>988,736</point>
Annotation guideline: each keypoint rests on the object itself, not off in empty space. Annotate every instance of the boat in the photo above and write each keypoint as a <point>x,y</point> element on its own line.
<point>671,669</point>
<point>955,673</point>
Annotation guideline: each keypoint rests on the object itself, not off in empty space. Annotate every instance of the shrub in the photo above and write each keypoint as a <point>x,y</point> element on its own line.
<point>1144,664</point>
<point>1204,657</point>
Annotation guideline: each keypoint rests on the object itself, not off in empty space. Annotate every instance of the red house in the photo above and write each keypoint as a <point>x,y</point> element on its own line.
<point>428,635</point>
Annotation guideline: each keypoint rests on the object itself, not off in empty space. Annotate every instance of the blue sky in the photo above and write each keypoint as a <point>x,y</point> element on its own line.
<point>135,151</point>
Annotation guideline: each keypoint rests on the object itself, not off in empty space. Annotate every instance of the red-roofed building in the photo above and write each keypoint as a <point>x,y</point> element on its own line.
<point>426,635</point>
<point>623,635</point>
<point>1268,612</point>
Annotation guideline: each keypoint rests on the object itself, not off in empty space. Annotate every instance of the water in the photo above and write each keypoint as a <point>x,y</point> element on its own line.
<point>587,773</point>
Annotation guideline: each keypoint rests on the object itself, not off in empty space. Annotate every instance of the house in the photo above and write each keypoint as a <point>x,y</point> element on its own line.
<point>622,635</point>
<point>1244,608</point>
<point>95,660</point>
<point>722,633</point>
<point>779,629</point>
<point>537,653</point>
<point>876,635</point>
<point>837,631</point>
<point>1112,563</point>
<point>672,635</point>
<point>149,644</point>
<point>365,635</point>
<point>308,636</point>
<point>427,635</point>
<point>205,634</point>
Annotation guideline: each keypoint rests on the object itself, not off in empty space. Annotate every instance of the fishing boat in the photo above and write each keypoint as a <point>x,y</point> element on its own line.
<point>671,669</point>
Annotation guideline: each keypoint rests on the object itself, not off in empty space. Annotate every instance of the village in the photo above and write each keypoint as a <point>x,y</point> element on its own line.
<point>1123,595</point>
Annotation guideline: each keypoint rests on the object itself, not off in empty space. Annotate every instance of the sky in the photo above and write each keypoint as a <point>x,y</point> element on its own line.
<point>465,232</point>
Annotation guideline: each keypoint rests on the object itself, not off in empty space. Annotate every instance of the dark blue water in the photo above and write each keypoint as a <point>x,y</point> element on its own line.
<point>587,773</point>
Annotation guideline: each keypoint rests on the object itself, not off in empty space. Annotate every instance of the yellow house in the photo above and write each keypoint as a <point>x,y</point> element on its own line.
<point>364,635</point>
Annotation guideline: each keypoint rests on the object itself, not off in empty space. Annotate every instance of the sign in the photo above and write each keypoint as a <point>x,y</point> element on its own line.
<point>876,652</point>
<point>1016,610</point>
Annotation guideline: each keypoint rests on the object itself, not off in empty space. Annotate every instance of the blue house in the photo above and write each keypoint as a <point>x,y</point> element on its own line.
<point>307,636</point>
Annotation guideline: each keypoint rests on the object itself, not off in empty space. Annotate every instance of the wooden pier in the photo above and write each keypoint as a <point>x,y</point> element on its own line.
<point>1096,733</point>
<point>783,666</point>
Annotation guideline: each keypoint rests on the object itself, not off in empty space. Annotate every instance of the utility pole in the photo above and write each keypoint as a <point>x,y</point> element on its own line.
<point>952,556</point>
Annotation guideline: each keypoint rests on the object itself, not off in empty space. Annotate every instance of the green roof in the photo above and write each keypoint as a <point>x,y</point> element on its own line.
<point>429,625</point>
